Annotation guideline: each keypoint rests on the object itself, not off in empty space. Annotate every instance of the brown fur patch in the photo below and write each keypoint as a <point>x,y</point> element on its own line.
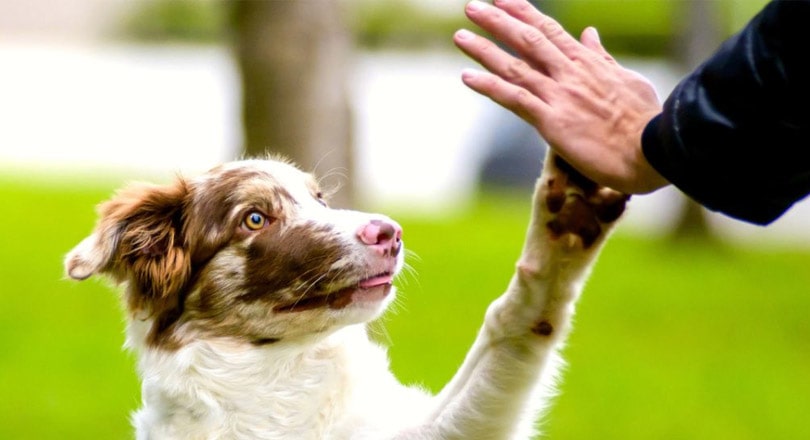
<point>582,213</point>
<point>211,214</point>
<point>576,178</point>
<point>297,257</point>
<point>264,341</point>
<point>543,328</point>
<point>555,198</point>
<point>578,218</point>
<point>609,205</point>
<point>149,252</point>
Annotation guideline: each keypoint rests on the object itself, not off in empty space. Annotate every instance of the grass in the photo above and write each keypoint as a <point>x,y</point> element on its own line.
<point>670,342</point>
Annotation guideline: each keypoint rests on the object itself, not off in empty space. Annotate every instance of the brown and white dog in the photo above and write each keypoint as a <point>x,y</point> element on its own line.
<point>247,299</point>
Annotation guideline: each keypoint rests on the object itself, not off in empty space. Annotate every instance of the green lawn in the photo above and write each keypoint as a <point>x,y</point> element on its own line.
<point>670,342</point>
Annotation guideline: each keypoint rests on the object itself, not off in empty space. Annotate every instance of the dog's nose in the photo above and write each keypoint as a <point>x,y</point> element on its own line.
<point>384,236</point>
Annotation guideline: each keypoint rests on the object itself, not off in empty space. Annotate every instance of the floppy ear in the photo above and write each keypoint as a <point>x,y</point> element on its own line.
<point>89,256</point>
<point>139,238</point>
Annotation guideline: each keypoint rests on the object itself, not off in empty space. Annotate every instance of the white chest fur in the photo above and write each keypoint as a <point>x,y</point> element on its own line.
<point>213,390</point>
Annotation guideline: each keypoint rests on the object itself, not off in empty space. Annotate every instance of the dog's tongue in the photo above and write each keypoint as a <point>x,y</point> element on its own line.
<point>376,281</point>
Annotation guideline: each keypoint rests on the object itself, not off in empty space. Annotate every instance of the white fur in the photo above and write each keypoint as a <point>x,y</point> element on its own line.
<point>295,390</point>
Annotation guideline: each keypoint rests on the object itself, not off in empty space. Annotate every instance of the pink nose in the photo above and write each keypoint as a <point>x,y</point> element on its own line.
<point>385,236</point>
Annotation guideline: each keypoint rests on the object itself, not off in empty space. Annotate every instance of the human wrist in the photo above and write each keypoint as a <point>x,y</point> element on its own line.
<point>649,177</point>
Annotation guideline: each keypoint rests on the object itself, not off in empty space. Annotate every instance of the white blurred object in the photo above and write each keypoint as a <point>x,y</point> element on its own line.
<point>117,108</point>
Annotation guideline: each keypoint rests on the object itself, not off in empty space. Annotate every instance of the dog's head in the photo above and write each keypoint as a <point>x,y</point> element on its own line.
<point>248,251</point>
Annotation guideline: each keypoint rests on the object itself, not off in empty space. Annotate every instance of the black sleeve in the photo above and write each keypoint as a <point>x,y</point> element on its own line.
<point>734,135</point>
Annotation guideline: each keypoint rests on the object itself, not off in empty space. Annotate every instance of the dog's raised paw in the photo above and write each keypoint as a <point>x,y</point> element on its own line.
<point>579,208</point>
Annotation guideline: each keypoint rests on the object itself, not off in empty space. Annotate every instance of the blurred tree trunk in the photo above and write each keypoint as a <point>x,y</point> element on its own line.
<point>293,59</point>
<point>699,37</point>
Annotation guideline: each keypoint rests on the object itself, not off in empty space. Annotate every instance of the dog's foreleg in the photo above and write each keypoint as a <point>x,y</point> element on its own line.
<point>494,395</point>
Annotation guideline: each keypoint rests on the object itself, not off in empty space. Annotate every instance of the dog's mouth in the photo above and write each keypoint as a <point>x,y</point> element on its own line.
<point>370,289</point>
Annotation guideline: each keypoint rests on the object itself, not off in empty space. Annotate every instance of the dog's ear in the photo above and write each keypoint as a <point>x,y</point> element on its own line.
<point>139,238</point>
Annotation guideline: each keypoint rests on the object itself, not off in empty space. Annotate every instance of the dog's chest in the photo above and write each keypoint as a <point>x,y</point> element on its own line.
<point>248,395</point>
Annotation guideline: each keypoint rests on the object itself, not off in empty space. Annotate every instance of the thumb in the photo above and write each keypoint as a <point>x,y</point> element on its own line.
<point>590,39</point>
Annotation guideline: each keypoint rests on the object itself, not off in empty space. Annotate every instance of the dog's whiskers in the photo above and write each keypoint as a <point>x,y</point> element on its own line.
<point>306,288</point>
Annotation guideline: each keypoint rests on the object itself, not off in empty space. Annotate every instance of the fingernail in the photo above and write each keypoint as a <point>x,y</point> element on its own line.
<point>468,74</point>
<point>464,34</point>
<point>593,31</point>
<point>475,5</point>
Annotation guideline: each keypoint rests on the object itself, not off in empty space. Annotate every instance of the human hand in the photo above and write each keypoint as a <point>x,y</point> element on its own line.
<point>590,110</point>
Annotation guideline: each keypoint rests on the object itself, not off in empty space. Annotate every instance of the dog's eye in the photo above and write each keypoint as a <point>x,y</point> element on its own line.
<point>320,198</point>
<point>255,220</point>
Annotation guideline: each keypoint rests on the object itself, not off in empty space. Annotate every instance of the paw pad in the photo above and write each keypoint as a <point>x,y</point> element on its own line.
<point>580,206</point>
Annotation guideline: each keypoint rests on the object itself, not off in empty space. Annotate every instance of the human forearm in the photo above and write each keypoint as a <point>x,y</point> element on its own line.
<point>734,133</point>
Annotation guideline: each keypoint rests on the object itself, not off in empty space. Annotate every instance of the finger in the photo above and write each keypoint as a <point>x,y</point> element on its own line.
<point>528,41</point>
<point>499,62</point>
<point>525,12</point>
<point>520,101</point>
<point>590,39</point>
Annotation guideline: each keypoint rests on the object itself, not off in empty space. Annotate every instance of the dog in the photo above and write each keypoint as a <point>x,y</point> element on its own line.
<point>247,299</point>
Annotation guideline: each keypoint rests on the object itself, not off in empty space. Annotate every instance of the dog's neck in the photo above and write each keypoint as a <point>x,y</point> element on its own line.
<point>220,386</point>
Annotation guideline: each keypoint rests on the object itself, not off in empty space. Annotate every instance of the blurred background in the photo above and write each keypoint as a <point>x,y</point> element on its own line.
<point>693,326</point>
